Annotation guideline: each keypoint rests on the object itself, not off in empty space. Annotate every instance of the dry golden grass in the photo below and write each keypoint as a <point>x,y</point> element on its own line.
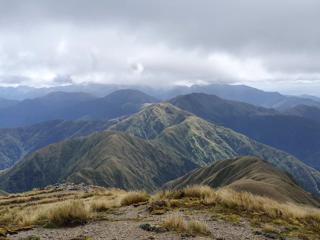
<point>175,223</point>
<point>103,204</point>
<point>134,197</point>
<point>198,227</point>
<point>178,224</point>
<point>198,191</point>
<point>61,208</point>
<point>68,214</point>
<point>269,228</point>
<point>50,207</point>
<point>243,201</point>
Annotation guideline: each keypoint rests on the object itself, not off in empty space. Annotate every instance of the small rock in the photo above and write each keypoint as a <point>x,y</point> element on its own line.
<point>149,228</point>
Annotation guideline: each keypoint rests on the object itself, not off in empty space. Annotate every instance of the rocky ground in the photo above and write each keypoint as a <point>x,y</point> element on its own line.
<point>136,223</point>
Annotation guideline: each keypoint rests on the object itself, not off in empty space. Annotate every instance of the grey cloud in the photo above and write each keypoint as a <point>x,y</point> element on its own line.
<point>146,40</point>
<point>63,79</point>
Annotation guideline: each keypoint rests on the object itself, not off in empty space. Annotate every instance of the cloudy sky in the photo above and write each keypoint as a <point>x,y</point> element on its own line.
<point>270,44</point>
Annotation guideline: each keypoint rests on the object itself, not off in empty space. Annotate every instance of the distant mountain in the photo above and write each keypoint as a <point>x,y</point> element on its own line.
<point>119,103</point>
<point>309,112</point>
<point>41,109</point>
<point>73,106</point>
<point>243,93</point>
<point>18,142</point>
<point>294,134</point>
<point>26,92</point>
<point>4,103</point>
<point>249,174</point>
<point>315,98</point>
<point>232,92</point>
<point>161,142</point>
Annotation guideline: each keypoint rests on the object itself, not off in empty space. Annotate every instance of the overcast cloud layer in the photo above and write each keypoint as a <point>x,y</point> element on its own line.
<point>269,44</point>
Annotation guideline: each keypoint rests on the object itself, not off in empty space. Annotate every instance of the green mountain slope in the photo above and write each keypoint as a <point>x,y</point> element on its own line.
<point>107,159</point>
<point>205,143</point>
<point>18,142</point>
<point>248,174</point>
<point>15,143</point>
<point>161,142</point>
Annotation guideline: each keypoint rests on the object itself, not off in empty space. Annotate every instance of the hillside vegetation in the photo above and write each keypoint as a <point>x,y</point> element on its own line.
<point>247,174</point>
<point>16,143</point>
<point>197,210</point>
<point>294,133</point>
<point>205,143</point>
<point>107,159</point>
<point>159,143</point>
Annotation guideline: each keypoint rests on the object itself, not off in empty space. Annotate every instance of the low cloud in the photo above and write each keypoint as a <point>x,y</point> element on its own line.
<point>270,44</point>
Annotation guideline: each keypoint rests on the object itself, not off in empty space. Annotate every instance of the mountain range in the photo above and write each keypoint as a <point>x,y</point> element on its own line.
<point>72,106</point>
<point>232,92</point>
<point>297,134</point>
<point>145,150</point>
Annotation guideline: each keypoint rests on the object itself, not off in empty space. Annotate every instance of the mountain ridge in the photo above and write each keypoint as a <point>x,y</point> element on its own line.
<point>296,135</point>
<point>248,174</point>
<point>184,137</point>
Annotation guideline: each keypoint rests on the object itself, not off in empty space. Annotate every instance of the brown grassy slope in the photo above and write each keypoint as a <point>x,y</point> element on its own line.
<point>248,174</point>
<point>64,206</point>
<point>55,205</point>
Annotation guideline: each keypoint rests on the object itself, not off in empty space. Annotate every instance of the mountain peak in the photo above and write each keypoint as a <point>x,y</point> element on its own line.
<point>154,117</point>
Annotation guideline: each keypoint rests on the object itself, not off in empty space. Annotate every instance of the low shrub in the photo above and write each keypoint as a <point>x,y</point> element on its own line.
<point>178,224</point>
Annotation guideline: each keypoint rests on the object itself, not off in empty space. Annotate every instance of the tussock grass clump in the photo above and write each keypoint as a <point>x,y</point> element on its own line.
<point>175,223</point>
<point>178,224</point>
<point>134,197</point>
<point>195,191</point>
<point>198,227</point>
<point>198,191</point>
<point>68,214</point>
<point>101,205</point>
